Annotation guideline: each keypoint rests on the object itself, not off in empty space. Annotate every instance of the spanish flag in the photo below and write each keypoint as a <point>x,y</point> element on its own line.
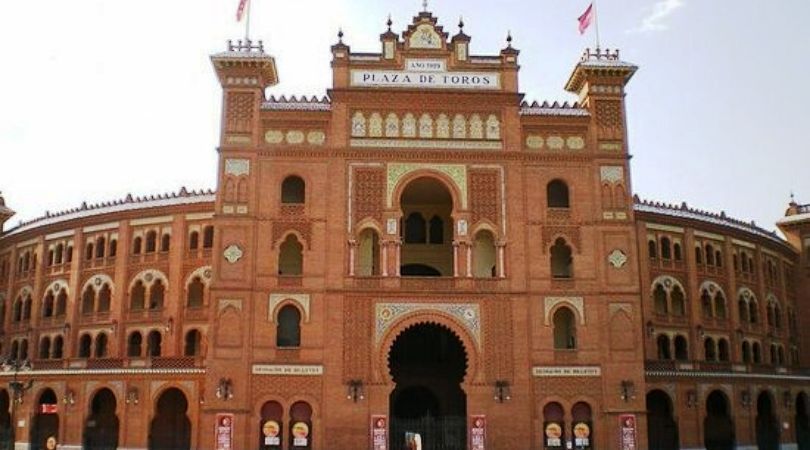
<point>585,19</point>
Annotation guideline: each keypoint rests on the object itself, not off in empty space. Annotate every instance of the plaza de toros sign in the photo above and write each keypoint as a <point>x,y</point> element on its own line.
<point>425,73</point>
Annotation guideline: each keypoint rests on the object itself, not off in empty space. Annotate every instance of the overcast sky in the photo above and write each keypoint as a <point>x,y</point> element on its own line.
<point>100,98</point>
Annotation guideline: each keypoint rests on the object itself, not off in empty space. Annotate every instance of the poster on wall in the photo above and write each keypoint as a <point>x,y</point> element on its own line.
<point>271,434</point>
<point>553,435</point>
<point>627,427</point>
<point>582,435</point>
<point>379,432</point>
<point>300,432</point>
<point>478,432</point>
<point>224,432</point>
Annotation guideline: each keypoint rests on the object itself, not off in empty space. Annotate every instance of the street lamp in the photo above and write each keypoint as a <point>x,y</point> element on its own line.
<point>17,387</point>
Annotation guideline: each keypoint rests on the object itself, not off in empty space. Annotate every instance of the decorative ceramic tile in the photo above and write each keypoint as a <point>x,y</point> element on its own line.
<point>237,167</point>
<point>233,253</point>
<point>388,314</point>
<point>617,258</point>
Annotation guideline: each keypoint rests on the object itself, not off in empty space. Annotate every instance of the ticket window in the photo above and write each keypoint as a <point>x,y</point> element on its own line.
<point>582,426</point>
<point>300,426</point>
<point>271,426</point>
<point>553,427</point>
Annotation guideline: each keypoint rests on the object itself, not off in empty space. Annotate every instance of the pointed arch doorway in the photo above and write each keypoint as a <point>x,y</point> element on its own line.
<point>428,364</point>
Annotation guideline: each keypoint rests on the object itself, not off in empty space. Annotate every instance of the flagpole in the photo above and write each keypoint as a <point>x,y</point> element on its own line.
<point>247,23</point>
<point>596,24</point>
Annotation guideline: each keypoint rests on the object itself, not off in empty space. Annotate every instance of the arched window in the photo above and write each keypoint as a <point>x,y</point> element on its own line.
<point>368,253</point>
<point>137,297</point>
<point>101,346</point>
<point>709,349</point>
<point>780,352</point>
<point>678,302</point>
<point>288,330</point>
<point>113,248</point>
<point>156,294</point>
<point>104,298</point>
<point>415,232</point>
<point>24,349</point>
<point>196,291</point>
<point>291,257</point>
<point>723,351</point>
<point>666,248</point>
<point>709,255</point>
<point>165,242</point>
<point>677,253</point>
<point>746,352</point>
<point>660,300</point>
<point>718,258</point>
<point>193,343</point>
<point>706,304</point>
<point>484,254</point>
<point>753,311</point>
<point>85,342</point>
<point>699,255</point>
<point>151,242</point>
<point>60,254</point>
<point>193,240</point>
<point>134,345</point>
<point>681,348</point>
<point>153,343</point>
<point>208,236</point>
<point>101,247</point>
<point>69,254</point>
<point>137,245</point>
<point>561,260</point>
<point>565,329</point>
<point>51,258</point>
<point>662,343</point>
<point>88,300</point>
<point>16,310</point>
<point>88,251</point>
<point>436,230</point>
<point>720,305</point>
<point>44,348</point>
<point>293,190</point>
<point>742,306</point>
<point>652,248</point>
<point>583,420</point>
<point>557,194</point>
<point>58,347</point>
<point>756,350</point>
<point>26,312</point>
<point>47,305</point>
<point>15,350</point>
<point>61,303</point>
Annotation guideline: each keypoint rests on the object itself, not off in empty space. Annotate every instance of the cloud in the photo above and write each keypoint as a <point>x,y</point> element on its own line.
<point>659,12</point>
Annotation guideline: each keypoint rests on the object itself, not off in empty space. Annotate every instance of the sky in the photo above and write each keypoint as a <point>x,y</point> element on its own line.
<point>101,98</point>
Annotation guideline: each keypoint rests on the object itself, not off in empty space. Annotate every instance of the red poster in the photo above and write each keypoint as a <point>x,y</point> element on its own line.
<point>627,427</point>
<point>47,408</point>
<point>478,432</point>
<point>379,433</point>
<point>223,433</point>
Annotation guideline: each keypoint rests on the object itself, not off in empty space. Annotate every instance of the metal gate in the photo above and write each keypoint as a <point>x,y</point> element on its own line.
<point>437,433</point>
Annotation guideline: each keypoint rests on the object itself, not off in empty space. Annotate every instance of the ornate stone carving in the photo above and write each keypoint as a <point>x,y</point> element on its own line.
<point>303,227</point>
<point>617,258</point>
<point>569,233</point>
<point>484,194</point>
<point>387,314</point>
<point>274,137</point>
<point>302,300</point>
<point>233,253</point>
<point>576,303</point>
<point>240,112</point>
<point>534,142</point>
<point>612,174</point>
<point>555,142</point>
<point>237,167</point>
<point>316,137</point>
<point>223,304</point>
<point>456,172</point>
<point>391,226</point>
<point>295,137</point>
<point>368,189</point>
<point>575,142</point>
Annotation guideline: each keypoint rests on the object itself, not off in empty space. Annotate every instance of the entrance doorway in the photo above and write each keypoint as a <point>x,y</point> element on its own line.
<point>718,427</point>
<point>45,425</point>
<point>662,431</point>
<point>802,422</point>
<point>5,421</point>
<point>170,428</point>
<point>101,428</point>
<point>428,363</point>
<point>767,424</point>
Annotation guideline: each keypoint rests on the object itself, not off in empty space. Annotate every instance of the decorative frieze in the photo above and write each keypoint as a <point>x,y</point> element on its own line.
<point>554,142</point>
<point>295,137</point>
<point>425,126</point>
<point>387,314</point>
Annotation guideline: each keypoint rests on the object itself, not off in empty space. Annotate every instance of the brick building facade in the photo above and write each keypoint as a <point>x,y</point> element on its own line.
<point>420,251</point>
